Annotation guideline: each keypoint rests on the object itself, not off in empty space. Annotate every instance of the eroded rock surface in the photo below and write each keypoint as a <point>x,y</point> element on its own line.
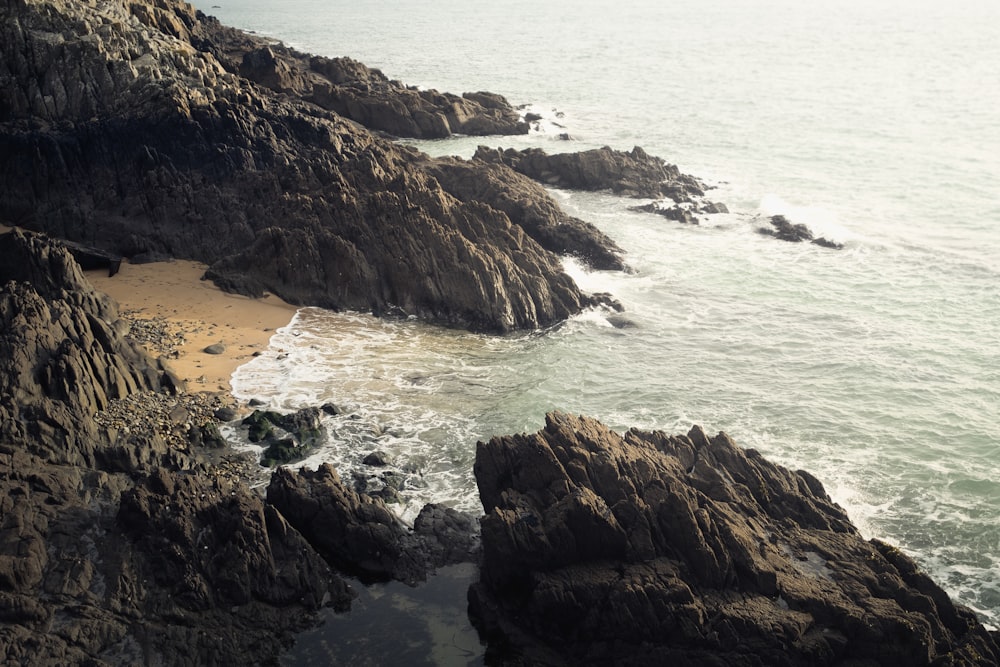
<point>650,549</point>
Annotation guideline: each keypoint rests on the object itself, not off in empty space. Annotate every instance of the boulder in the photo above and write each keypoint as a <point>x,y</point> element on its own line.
<point>646,548</point>
<point>675,212</point>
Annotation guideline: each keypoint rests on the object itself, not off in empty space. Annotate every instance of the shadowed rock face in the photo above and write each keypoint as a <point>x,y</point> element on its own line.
<point>132,127</point>
<point>61,357</point>
<point>656,549</point>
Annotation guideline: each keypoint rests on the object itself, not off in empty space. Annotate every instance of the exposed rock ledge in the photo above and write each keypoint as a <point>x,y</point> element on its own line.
<point>649,549</point>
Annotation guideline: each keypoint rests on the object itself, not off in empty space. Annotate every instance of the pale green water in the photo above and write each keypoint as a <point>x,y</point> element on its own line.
<point>874,367</point>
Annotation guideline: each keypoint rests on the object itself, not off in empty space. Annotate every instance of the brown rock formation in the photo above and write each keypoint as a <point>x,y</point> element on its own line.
<point>655,549</point>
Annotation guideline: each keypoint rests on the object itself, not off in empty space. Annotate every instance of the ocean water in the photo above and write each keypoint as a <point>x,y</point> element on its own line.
<point>876,367</point>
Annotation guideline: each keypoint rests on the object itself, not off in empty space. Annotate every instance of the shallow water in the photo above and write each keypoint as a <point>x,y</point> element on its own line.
<point>874,367</point>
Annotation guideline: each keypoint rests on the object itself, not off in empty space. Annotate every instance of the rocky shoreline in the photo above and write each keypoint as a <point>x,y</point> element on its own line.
<point>129,533</point>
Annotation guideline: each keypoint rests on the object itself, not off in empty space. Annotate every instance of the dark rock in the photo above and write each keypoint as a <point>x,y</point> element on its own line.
<point>94,258</point>
<point>287,437</point>
<point>376,458</point>
<point>619,322</point>
<point>215,348</point>
<point>359,534</point>
<point>782,228</point>
<point>827,243</point>
<point>631,174</point>
<point>675,212</point>
<point>61,360</point>
<point>282,450</point>
<point>355,532</point>
<point>527,205</point>
<point>207,436</point>
<point>226,414</point>
<point>330,409</point>
<point>713,208</point>
<point>654,549</point>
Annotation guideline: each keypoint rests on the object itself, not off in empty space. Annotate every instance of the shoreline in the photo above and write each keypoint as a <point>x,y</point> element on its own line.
<point>181,315</point>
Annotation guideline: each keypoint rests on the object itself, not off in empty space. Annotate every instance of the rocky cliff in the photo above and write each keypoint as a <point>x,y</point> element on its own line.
<point>649,549</point>
<point>149,129</point>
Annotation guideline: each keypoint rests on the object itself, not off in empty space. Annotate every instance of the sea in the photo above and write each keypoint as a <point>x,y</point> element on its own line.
<point>876,367</point>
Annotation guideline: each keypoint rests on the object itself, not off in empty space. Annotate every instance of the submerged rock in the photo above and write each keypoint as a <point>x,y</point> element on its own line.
<point>651,549</point>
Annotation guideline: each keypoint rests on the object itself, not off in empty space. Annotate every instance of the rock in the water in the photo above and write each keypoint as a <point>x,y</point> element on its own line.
<point>676,212</point>
<point>784,229</point>
<point>376,458</point>
<point>649,549</point>
<point>632,174</point>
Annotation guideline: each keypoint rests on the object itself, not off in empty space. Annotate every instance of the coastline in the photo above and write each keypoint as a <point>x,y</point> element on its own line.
<point>194,314</point>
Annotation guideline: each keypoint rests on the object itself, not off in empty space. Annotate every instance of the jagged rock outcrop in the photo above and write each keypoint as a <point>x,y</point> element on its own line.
<point>354,90</point>
<point>654,549</point>
<point>179,567</point>
<point>683,213</point>
<point>631,174</point>
<point>360,534</point>
<point>529,207</point>
<point>130,126</point>
<point>62,358</point>
<point>123,545</point>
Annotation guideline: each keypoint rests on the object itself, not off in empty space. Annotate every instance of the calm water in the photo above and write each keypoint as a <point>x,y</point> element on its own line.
<point>875,367</point>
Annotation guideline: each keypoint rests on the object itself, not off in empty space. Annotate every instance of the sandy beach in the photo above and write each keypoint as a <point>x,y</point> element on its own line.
<point>195,314</point>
